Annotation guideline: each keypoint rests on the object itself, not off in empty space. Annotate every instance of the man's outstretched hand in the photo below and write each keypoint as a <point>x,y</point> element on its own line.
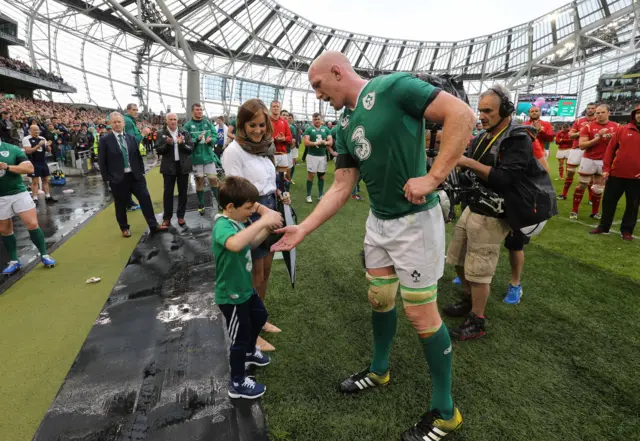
<point>293,235</point>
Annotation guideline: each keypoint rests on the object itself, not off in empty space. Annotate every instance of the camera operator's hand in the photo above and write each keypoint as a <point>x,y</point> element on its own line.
<point>416,189</point>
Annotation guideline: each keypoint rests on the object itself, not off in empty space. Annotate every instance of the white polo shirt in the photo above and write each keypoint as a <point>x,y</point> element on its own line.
<point>259,170</point>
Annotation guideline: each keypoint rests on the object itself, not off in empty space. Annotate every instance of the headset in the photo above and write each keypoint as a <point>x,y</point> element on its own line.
<point>506,105</point>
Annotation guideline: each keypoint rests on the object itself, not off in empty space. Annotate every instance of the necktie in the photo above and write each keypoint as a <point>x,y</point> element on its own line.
<point>123,148</point>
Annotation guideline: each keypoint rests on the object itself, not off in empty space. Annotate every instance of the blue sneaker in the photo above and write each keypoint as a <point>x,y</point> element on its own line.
<point>12,268</point>
<point>47,261</point>
<point>133,207</point>
<point>513,295</point>
<point>457,281</point>
<point>257,359</point>
<point>248,389</point>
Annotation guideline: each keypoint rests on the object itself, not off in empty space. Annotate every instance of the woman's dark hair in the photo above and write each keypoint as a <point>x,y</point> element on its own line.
<point>237,191</point>
<point>248,111</point>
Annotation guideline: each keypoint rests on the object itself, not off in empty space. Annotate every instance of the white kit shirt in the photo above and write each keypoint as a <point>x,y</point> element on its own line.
<point>259,170</point>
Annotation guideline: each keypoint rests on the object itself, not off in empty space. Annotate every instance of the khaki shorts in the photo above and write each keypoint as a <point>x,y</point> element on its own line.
<point>14,204</point>
<point>413,245</point>
<point>475,245</point>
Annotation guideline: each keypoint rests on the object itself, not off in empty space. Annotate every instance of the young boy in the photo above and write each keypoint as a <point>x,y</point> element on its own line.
<point>239,302</point>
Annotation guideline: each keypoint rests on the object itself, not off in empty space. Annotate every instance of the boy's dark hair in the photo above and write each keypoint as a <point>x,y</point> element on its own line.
<point>237,191</point>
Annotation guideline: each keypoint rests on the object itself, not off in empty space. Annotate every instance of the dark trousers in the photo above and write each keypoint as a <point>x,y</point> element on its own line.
<point>613,191</point>
<point>244,323</point>
<point>122,195</point>
<point>169,184</point>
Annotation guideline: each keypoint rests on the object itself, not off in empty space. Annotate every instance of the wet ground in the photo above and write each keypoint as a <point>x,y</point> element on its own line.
<point>57,221</point>
<point>154,366</point>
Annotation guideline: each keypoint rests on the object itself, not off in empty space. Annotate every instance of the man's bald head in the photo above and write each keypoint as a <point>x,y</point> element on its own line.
<point>333,79</point>
<point>326,61</point>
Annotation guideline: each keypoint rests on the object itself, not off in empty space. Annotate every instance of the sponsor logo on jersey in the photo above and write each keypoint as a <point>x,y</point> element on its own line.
<point>5,154</point>
<point>369,100</point>
<point>363,146</point>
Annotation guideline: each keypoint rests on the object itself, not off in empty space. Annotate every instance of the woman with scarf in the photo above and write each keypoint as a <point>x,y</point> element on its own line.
<point>251,156</point>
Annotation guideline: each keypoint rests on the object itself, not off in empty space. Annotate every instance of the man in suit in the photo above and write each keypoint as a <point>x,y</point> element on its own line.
<point>122,167</point>
<point>175,146</point>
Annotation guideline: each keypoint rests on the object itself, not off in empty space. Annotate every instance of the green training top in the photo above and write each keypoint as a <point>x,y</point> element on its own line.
<point>385,134</point>
<point>202,152</point>
<point>316,135</point>
<point>131,128</point>
<point>11,183</point>
<point>233,270</point>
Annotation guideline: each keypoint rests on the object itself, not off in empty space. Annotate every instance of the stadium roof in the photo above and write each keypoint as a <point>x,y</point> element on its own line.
<point>262,42</point>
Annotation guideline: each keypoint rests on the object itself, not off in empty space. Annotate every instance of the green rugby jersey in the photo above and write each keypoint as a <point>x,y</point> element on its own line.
<point>11,183</point>
<point>385,135</point>
<point>233,270</point>
<point>202,153</point>
<point>316,135</point>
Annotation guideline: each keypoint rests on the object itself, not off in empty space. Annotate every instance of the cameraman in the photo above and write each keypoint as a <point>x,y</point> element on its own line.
<point>498,157</point>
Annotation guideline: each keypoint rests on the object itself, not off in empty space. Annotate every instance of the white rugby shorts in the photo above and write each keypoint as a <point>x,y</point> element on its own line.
<point>201,170</point>
<point>590,167</point>
<point>575,156</point>
<point>316,164</point>
<point>414,245</point>
<point>563,154</point>
<point>282,161</point>
<point>16,203</point>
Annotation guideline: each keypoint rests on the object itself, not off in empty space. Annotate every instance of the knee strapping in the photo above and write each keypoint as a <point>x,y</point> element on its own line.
<point>382,292</point>
<point>597,189</point>
<point>320,175</point>
<point>572,168</point>
<point>423,319</point>
<point>585,179</point>
<point>418,296</point>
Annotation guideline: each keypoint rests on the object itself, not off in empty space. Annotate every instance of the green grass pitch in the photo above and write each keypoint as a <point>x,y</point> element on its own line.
<point>560,366</point>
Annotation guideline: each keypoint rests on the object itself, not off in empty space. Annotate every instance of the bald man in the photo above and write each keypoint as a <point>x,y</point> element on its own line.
<point>404,242</point>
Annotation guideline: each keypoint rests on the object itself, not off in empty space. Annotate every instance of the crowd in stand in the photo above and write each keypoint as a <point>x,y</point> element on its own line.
<point>21,66</point>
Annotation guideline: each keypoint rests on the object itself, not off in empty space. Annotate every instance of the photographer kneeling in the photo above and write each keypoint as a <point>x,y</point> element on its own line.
<point>502,169</point>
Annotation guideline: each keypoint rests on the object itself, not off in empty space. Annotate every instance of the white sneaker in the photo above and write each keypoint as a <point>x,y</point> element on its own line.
<point>309,199</point>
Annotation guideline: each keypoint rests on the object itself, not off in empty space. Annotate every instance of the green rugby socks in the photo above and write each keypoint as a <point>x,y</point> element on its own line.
<point>320,187</point>
<point>11,245</point>
<point>37,237</point>
<point>437,350</point>
<point>384,329</point>
<point>200,195</point>
<point>309,187</point>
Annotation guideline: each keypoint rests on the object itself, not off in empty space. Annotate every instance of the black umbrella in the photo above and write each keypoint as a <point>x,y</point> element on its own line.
<point>290,218</point>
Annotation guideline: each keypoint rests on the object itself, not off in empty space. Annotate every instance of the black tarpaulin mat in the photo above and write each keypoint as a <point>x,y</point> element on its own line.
<point>154,366</point>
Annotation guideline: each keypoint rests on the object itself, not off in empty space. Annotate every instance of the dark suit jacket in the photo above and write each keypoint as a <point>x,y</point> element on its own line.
<point>111,160</point>
<point>168,164</point>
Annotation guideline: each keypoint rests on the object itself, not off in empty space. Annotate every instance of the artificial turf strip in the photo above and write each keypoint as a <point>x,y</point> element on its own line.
<point>561,365</point>
<point>46,316</point>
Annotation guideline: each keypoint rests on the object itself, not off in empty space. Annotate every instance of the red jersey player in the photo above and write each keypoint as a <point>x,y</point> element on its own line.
<point>594,138</point>
<point>545,129</point>
<point>575,155</point>
<point>281,138</point>
<point>564,143</point>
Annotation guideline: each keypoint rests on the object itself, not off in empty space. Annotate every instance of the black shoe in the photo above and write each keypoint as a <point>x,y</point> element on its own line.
<point>363,380</point>
<point>50,200</point>
<point>471,329</point>
<point>460,309</point>
<point>432,427</point>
